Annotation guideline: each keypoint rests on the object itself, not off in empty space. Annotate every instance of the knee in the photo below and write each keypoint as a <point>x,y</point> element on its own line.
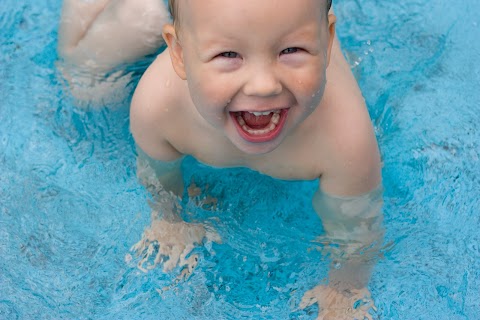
<point>147,17</point>
<point>152,14</point>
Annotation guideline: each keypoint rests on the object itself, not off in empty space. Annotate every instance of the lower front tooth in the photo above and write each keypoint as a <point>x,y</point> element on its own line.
<point>241,121</point>
<point>275,118</point>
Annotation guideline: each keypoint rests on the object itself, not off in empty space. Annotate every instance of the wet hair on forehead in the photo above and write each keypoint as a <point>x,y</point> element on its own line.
<point>329,5</point>
<point>173,8</point>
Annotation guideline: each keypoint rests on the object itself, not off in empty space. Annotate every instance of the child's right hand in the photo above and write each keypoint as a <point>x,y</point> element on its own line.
<point>335,304</point>
<point>175,241</point>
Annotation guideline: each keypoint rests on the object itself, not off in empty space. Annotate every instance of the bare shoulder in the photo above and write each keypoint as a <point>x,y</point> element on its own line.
<point>156,107</point>
<point>353,162</point>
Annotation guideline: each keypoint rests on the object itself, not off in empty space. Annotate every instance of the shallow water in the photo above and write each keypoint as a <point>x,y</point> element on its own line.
<point>71,206</point>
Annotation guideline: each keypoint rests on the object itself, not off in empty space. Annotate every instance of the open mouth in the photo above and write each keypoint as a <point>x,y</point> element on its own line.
<point>259,126</point>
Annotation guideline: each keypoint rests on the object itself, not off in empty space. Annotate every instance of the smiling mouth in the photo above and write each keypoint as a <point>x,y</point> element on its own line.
<point>259,126</point>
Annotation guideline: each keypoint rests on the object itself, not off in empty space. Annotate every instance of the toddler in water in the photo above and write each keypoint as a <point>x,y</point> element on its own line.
<point>263,84</point>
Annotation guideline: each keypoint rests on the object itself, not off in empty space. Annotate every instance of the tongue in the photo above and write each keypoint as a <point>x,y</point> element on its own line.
<point>256,122</point>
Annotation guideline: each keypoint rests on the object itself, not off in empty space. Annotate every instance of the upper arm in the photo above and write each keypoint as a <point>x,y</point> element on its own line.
<point>354,166</point>
<point>149,121</point>
<point>353,160</point>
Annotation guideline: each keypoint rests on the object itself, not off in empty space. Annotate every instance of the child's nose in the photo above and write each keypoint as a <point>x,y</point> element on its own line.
<point>262,82</point>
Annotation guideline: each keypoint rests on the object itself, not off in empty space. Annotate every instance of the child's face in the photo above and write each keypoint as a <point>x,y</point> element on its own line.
<point>247,56</point>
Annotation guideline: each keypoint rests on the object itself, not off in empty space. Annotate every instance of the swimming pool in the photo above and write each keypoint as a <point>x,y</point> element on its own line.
<point>71,206</point>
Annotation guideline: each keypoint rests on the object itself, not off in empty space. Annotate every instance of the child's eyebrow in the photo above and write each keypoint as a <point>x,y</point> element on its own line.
<point>206,43</point>
<point>306,31</point>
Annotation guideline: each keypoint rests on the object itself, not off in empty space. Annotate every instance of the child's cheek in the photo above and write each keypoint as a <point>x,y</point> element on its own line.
<point>311,90</point>
<point>208,94</point>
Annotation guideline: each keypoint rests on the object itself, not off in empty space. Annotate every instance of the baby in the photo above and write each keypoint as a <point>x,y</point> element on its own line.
<point>264,85</point>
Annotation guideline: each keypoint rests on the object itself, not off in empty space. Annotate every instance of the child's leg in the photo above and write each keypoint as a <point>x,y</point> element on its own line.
<point>98,36</point>
<point>102,34</point>
<point>77,17</point>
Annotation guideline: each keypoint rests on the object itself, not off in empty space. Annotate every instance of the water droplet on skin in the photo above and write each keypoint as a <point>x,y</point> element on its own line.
<point>168,83</point>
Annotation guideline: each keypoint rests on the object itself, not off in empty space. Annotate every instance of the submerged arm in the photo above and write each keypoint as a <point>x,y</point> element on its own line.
<point>167,173</point>
<point>353,236</point>
<point>173,238</point>
<point>163,179</point>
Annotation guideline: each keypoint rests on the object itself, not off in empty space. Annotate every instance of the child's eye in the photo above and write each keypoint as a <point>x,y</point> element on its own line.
<point>290,50</point>
<point>229,55</point>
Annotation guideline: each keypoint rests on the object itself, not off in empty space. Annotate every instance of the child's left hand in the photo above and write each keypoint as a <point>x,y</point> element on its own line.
<point>339,305</point>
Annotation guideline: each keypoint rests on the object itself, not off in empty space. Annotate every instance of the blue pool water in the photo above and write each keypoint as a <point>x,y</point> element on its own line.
<point>71,206</point>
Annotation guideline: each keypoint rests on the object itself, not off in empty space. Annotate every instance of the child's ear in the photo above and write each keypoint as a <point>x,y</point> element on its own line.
<point>332,19</point>
<point>175,49</point>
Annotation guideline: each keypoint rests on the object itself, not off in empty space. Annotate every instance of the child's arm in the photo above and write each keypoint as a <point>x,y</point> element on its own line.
<point>353,236</point>
<point>167,174</point>
<point>164,181</point>
<point>352,218</point>
<point>103,34</point>
<point>174,238</point>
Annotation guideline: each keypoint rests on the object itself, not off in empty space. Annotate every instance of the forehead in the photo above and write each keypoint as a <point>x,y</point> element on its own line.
<point>243,13</point>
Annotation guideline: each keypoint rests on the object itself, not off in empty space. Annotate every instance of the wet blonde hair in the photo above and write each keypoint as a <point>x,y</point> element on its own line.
<point>173,8</point>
